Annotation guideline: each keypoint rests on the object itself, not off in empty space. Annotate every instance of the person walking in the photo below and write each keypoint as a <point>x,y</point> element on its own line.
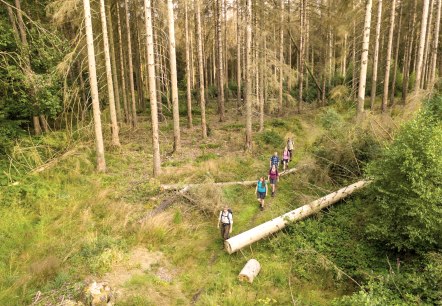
<point>274,160</point>
<point>273,178</point>
<point>285,159</point>
<point>225,222</point>
<point>261,191</point>
<point>290,147</point>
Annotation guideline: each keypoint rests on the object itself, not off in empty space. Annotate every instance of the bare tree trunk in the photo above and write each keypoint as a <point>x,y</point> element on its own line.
<point>427,46</point>
<point>188,72</point>
<point>114,63</point>
<point>353,56</point>
<point>152,89</point>
<point>387,66</point>
<point>238,57</point>
<point>261,90</point>
<point>101,163</point>
<point>432,73</point>
<point>248,76</point>
<point>173,77</point>
<point>201,70</point>
<point>131,67</point>
<point>281,54</point>
<point>127,117</point>
<point>344,57</point>
<point>110,85</point>
<point>364,58</point>
<point>376,57</point>
<point>220,76</point>
<point>423,34</point>
<point>407,64</point>
<point>396,57</point>
<point>301,54</point>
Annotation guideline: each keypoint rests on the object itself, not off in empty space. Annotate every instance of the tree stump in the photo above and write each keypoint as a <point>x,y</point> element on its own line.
<point>250,271</point>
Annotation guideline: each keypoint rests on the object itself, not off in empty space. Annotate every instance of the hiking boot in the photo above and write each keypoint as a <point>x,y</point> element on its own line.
<point>273,193</point>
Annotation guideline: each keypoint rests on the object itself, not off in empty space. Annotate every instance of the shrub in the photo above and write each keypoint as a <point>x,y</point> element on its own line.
<point>271,138</point>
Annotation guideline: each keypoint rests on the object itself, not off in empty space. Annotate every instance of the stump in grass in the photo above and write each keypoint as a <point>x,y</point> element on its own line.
<point>250,271</point>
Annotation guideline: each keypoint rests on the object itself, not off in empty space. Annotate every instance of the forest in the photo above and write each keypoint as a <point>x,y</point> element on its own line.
<point>127,127</point>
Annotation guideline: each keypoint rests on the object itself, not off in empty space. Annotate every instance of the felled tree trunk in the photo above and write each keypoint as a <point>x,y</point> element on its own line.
<point>250,271</point>
<point>263,230</point>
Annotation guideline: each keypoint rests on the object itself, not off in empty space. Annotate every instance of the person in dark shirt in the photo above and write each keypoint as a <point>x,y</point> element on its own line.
<point>274,160</point>
<point>273,177</point>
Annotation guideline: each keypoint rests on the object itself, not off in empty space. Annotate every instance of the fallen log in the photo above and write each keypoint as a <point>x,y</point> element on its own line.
<point>246,238</point>
<point>166,187</point>
<point>250,271</point>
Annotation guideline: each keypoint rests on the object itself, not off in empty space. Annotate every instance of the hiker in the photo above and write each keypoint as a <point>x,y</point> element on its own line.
<point>225,221</point>
<point>285,158</point>
<point>274,160</point>
<point>273,177</point>
<point>261,191</point>
<point>290,146</point>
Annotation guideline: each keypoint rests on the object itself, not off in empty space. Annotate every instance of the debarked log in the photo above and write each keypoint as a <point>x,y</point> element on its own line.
<point>246,238</point>
<point>250,271</point>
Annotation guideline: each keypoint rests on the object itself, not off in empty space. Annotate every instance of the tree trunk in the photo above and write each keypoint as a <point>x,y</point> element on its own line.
<point>364,58</point>
<point>248,76</point>
<point>376,56</point>
<point>220,75</point>
<point>353,55</point>
<point>423,35</point>
<point>265,229</point>
<point>110,85</point>
<point>201,69</point>
<point>427,46</point>
<point>432,73</point>
<point>173,77</point>
<point>188,72</point>
<point>250,271</point>
<point>407,64</point>
<point>301,54</point>
<point>238,58</point>
<point>387,66</point>
<point>131,67</point>
<point>114,64</point>
<point>101,163</point>
<point>281,54</point>
<point>152,89</point>
<point>396,57</point>
<point>127,117</point>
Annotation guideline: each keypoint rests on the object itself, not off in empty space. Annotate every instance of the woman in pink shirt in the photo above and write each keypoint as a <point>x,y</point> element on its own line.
<point>285,158</point>
<point>273,177</point>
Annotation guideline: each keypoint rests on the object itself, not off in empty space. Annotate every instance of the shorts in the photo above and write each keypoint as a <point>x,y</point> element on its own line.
<point>285,161</point>
<point>273,181</point>
<point>261,195</point>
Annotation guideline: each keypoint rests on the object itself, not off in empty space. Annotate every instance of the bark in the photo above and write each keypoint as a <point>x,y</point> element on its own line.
<point>152,88</point>
<point>353,55</point>
<point>407,64</point>
<point>364,58</point>
<point>220,75</point>
<point>281,54</point>
<point>376,56</point>
<point>131,67</point>
<point>387,66</point>
<point>122,70</point>
<point>188,68</point>
<point>37,126</point>
<point>432,73</point>
<point>250,271</point>
<point>427,46</point>
<point>114,64</point>
<point>248,77</point>
<point>396,57</point>
<point>201,70</point>
<point>44,123</point>
<point>265,229</point>
<point>238,57</point>
<point>101,163</point>
<point>423,35</point>
<point>110,85</point>
<point>15,30</point>
<point>173,74</point>
<point>301,55</point>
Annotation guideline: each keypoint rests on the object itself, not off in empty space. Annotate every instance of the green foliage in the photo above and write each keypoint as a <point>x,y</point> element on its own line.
<point>407,192</point>
<point>330,119</point>
<point>270,138</point>
<point>206,157</point>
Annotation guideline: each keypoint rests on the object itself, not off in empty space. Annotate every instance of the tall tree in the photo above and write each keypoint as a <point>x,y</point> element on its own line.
<point>423,35</point>
<point>219,44</point>
<point>396,56</point>
<point>281,54</point>
<point>173,78</point>
<point>188,68</point>
<point>248,76</point>
<point>110,85</point>
<point>408,53</point>
<point>364,58</point>
<point>376,56</point>
<point>435,46</point>
<point>131,67</point>
<point>152,89</point>
<point>101,163</point>
<point>114,63</point>
<point>201,69</point>
<point>238,56</point>
<point>388,57</point>
<point>122,70</point>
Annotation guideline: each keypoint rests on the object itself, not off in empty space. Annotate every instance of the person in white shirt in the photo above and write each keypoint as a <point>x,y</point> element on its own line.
<point>225,222</point>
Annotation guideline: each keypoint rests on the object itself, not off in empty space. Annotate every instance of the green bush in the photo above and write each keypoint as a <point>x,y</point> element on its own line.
<point>270,137</point>
<point>407,189</point>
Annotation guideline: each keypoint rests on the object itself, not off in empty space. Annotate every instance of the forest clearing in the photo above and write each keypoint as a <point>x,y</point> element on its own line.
<point>128,127</point>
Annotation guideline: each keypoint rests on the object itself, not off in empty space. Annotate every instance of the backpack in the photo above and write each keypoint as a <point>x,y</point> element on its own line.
<point>228,211</point>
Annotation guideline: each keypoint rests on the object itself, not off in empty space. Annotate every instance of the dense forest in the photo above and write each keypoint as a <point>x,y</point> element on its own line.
<point>127,126</point>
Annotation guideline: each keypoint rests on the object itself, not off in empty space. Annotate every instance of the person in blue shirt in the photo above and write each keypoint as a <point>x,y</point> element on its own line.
<point>274,160</point>
<point>261,191</point>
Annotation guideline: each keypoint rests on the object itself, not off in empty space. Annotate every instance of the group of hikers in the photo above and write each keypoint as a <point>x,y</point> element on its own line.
<point>225,219</point>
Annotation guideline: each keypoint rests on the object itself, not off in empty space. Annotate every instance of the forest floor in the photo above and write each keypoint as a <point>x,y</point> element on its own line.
<point>71,224</point>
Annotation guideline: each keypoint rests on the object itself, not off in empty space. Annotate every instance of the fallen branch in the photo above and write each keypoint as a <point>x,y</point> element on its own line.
<point>222,184</point>
<point>263,230</point>
<point>54,161</point>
